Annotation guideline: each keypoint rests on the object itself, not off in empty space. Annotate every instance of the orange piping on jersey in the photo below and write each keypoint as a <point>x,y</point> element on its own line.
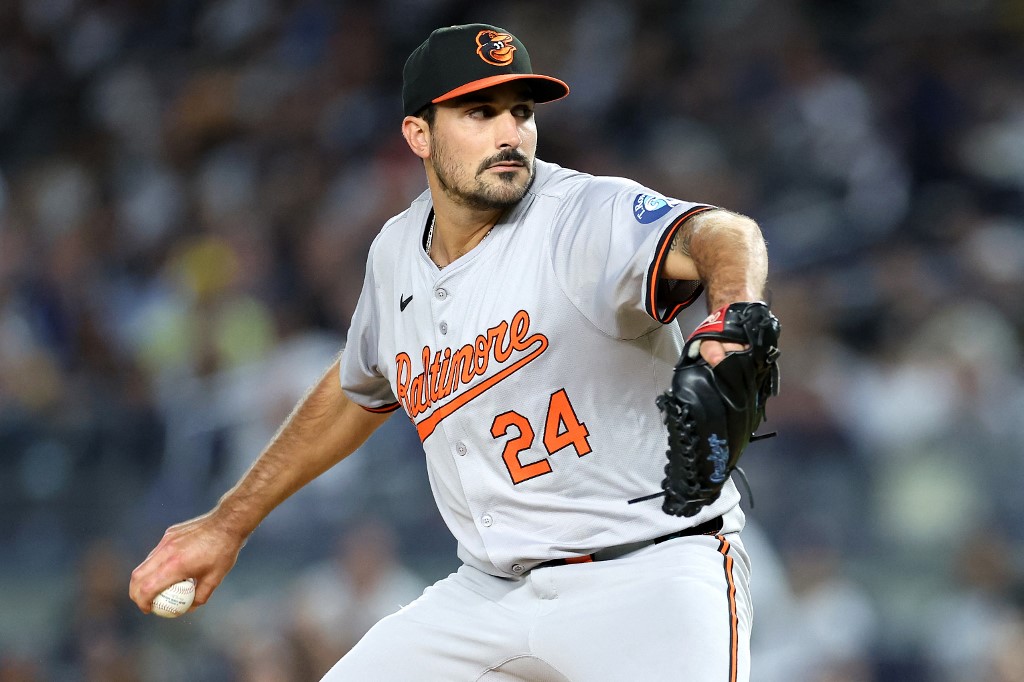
<point>723,548</point>
<point>659,260</point>
<point>391,407</point>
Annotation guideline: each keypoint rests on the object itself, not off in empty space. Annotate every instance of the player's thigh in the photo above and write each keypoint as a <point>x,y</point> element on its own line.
<point>400,648</point>
<point>683,614</point>
<point>452,632</point>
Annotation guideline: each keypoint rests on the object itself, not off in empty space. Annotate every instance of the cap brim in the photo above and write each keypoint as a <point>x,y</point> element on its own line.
<point>543,88</point>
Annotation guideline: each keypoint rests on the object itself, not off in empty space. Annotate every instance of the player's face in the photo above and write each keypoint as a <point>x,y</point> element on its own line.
<point>483,146</point>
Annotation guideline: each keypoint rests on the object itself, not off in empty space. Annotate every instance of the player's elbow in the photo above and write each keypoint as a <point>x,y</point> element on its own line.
<point>742,226</point>
<point>722,229</point>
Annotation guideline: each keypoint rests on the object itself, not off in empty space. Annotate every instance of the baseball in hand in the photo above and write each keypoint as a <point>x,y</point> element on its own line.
<point>175,600</point>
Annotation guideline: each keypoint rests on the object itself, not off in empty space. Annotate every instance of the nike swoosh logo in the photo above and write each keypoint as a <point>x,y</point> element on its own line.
<point>403,302</point>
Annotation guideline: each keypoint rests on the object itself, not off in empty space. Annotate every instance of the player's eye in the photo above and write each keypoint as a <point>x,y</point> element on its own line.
<point>480,112</point>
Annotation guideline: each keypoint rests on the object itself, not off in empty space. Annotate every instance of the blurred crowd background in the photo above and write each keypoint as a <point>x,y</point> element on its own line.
<point>188,189</point>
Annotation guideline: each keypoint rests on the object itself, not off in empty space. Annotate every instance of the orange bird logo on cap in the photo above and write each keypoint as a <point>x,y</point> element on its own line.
<point>495,48</point>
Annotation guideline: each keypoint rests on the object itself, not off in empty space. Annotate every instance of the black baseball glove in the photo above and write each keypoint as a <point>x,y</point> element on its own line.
<point>712,412</point>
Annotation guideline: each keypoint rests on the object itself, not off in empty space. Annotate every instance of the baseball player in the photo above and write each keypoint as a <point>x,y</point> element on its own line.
<point>520,314</point>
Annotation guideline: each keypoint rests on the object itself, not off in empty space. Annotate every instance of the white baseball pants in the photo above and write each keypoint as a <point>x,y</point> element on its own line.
<point>679,610</point>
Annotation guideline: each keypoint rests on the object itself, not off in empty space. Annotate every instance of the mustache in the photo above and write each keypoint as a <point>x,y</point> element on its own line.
<point>506,156</point>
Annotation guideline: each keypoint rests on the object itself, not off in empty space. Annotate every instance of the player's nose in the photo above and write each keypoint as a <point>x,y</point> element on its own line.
<point>507,133</point>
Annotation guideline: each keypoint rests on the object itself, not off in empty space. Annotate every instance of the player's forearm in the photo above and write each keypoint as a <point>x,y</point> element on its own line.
<point>323,429</point>
<point>728,254</point>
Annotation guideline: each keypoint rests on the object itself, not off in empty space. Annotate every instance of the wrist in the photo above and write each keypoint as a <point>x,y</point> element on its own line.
<point>724,299</point>
<point>234,517</point>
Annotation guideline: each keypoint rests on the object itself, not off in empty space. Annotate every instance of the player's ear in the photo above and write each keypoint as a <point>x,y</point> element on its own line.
<point>417,135</point>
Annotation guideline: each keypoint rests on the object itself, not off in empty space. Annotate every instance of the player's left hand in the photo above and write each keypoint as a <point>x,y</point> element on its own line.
<point>716,401</point>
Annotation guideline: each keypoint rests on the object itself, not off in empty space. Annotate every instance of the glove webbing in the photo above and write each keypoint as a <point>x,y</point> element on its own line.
<point>681,470</point>
<point>682,437</point>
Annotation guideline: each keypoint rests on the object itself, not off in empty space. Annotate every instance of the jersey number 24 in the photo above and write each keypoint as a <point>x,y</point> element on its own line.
<point>561,428</point>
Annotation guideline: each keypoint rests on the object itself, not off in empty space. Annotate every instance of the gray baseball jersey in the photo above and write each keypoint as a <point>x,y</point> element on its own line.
<point>530,366</point>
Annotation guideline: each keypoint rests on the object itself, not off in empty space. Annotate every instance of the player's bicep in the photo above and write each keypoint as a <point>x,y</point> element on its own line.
<point>360,422</point>
<point>674,280</point>
<point>679,265</point>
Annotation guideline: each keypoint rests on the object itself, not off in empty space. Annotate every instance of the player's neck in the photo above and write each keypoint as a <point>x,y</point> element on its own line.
<point>456,232</point>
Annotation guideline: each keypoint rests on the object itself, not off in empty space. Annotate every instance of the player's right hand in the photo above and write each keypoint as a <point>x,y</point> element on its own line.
<point>715,351</point>
<point>201,548</point>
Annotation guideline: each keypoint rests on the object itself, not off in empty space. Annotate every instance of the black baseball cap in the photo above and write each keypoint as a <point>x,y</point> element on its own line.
<point>457,60</point>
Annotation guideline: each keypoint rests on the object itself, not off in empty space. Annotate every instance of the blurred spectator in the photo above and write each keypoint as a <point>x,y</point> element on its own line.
<point>834,618</point>
<point>775,654</point>
<point>102,638</point>
<point>188,191</point>
<point>1006,658</point>
<point>338,600</point>
<point>974,628</point>
<point>18,668</point>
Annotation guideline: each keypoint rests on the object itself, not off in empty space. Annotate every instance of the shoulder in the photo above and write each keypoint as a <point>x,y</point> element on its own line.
<point>556,182</point>
<point>399,231</point>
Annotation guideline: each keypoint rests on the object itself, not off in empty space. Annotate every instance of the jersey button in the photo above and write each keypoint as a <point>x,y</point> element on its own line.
<point>443,327</point>
<point>441,294</point>
<point>461,448</point>
<point>517,568</point>
<point>486,520</point>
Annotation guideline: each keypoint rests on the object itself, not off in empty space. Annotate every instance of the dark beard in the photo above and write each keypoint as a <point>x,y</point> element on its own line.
<point>474,193</point>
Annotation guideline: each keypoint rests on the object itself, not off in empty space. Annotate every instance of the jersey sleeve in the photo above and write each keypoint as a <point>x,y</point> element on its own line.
<point>361,377</point>
<point>610,242</point>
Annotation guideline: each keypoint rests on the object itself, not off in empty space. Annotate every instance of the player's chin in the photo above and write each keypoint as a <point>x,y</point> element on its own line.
<point>511,184</point>
<point>508,198</point>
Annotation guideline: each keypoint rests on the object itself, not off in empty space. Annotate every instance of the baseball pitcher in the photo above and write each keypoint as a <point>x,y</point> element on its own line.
<point>521,314</point>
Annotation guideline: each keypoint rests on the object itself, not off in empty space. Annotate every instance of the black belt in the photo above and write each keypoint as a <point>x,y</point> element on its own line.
<point>711,527</point>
